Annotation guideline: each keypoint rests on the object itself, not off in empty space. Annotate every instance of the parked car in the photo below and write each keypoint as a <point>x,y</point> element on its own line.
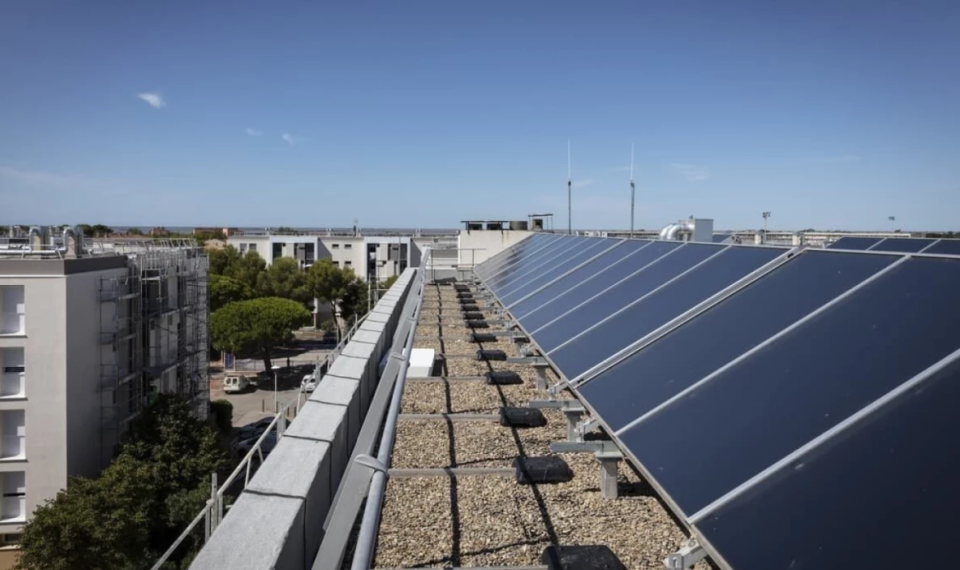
<point>269,442</point>
<point>255,429</point>
<point>309,383</point>
<point>236,383</point>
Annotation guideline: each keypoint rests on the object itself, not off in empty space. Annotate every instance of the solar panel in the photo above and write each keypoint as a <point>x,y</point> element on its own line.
<point>715,274</point>
<point>545,262</point>
<point>860,243</point>
<point>663,369</point>
<point>664,268</point>
<point>720,238</point>
<point>945,247</point>
<point>869,498</point>
<point>549,274</point>
<point>782,396</point>
<point>905,245</point>
<point>577,277</point>
<point>495,263</point>
<point>523,261</point>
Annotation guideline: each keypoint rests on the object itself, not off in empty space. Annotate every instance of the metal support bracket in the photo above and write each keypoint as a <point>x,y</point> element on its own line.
<point>541,370</point>
<point>531,360</point>
<point>689,554</point>
<point>572,409</point>
<point>587,425</point>
<point>606,453</point>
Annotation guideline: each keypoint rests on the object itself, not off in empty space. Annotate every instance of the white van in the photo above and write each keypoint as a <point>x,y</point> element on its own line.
<point>235,384</point>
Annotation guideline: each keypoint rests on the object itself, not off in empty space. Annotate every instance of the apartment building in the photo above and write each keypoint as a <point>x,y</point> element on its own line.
<point>88,332</point>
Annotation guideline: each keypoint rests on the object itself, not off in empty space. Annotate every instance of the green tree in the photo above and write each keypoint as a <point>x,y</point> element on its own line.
<point>284,278</point>
<point>389,281</point>
<point>247,269</point>
<point>256,326</point>
<point>134,232</point>
<point>223,259</point>
<point>224,290</point>
<point>355,300</point>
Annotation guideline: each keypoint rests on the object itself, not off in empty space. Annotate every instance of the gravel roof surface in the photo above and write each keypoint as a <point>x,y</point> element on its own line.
<point>493,521</point>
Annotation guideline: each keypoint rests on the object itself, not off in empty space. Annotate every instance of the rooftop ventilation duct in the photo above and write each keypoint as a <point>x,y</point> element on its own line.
<point>73,241</point>
<point>36,237</point>
<point>677,230</point>
<point>693,229</point>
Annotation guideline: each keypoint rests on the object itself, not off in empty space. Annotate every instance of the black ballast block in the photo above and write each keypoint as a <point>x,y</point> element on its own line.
<point>472,316</point>
<point>460,287</point>
<point>491,355</point>
<point>477,324</point>
<point>522,417</point>
<point>502,377</point>
<point>547,469</point>
<point>580,558</point>
<point>482,337</point>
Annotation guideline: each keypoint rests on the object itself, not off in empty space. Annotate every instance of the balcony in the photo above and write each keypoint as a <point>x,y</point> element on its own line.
<point>12,310</point>
<point>12,373</point>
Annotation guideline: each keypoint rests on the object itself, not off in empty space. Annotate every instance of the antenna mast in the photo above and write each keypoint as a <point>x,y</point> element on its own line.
<point>569,193</point>
<point>633,190</point>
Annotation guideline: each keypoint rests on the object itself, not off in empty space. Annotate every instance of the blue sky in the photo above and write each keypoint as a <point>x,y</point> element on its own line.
<point>829,113</point>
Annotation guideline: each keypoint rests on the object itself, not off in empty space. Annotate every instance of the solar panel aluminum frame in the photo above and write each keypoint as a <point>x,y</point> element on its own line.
<point>663,285</point>
<point>554,280</point>
<point>517,263</point>
<point>770,340</point>
<point>612,285</point>
<point>508,264</point>
<point>593,276</point>
<point>894,253</point>
<point>685,317</point>
<point>874,246</point>
<point>518,286</point>
<point>564,249</point>
<point>495,259</point>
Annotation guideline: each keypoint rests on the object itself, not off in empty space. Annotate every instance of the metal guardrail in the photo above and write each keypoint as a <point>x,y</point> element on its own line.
<point>365,476</point>
<point>213,511</point>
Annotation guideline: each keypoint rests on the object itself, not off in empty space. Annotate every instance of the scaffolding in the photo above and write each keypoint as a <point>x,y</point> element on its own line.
<point>154,323</point>
<point>121,381</point>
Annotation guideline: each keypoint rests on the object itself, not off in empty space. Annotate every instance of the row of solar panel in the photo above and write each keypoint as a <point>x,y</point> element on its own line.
<point>903,245</point>
<point>738,357</point>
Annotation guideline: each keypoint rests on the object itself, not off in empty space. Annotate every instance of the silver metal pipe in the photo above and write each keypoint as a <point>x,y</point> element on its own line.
<point>370,524</point>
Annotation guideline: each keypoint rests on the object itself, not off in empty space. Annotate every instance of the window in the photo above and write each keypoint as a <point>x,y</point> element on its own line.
<point>243,248</point>
<point>12,309</point>
<point>335,246</point>
<point>253,247</point>
<point>12,373</point>
<point>348,246</point>
<point>348,263</point>
<point>11,539</point>
<point>13,507</point>
<point>12,434</point>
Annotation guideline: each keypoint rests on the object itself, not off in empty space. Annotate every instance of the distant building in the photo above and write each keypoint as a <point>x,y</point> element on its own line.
<point>226,232</point>
<point>89,330</point>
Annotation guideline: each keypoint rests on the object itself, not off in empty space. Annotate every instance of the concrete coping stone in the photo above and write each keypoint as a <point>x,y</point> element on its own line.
<point>366,337</point>
<point>373,326</point>
<point>244,541</point>
<point>377,318</point>
<point>349,367</point>
<point>292,469</point>
<point>336,390</point>
<point>358,350</point>
<point>317,421</point>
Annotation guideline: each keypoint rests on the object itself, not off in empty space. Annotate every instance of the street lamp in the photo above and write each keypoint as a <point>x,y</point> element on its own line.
<point>893,220</point>
<point>275,370</point>
<point>765,216</point>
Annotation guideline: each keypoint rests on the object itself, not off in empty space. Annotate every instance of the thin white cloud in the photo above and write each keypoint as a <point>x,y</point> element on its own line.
<point>692,172</point>
<point>836,159</point>
<point>292,139</point>
<point>155,100</point>
<point>253,132</point>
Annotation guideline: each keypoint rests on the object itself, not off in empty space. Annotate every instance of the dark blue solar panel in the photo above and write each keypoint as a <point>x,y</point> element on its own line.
<point>577,277</point>
<point>526,261</point>
<point>654,274</point>
<point>786,394</point>
<point>545,263</point>
<point>865,499</point>
<point>492,265</point>
<point>659,308</point>
<point>675,362</point>
<point>945,247</point>
<point>544,276</point>
<point>904,245</point>
<point>717,238</point>
<point>860,243</point>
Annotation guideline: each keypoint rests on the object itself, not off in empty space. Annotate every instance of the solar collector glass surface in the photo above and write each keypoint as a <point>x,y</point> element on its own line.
<point>525,261</point>
<point>577,277</point>
<point>945,247</point>
<point>663,369</point>
<point>715,274</point>
<point>548,274</point>
<point>903,245</point>
<point>651,276</point>
<point>867,498</point>
<point>784,395</point>
<point>546,263</point>
<point>860,243</point>
<point>501,260</point>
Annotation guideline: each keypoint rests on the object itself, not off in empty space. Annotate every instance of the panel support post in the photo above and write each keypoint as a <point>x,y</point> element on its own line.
<point>689,554</point>
<point>609,463</point>
<point>573,419</point>
<point>541,370</point>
